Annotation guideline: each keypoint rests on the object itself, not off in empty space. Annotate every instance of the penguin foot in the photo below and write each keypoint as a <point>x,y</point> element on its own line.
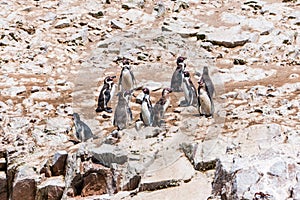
<point>99,109</point>
<point>184,104</point>
<point>108,110</point>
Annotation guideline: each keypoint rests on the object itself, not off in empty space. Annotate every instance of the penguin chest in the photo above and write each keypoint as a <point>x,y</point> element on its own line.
<point>113,90</point>
<point>166,105</point>
<point>187,91</point>
<point>205,104</point>
<point>146,113</point>
<point>127,80</point>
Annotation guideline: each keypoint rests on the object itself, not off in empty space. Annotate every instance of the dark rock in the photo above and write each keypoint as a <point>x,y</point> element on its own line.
<point>58,163</point>
<point>97,15</point>
<point>94,184</point>
<point>24,189</point>
<point>238,61</point>
<point>51,189</point>
<point>158,185</point>
<point>3,164</point>
<point>3,186</point>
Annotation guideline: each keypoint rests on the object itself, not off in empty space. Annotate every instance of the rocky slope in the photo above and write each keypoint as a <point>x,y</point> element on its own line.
<point>56,54</point>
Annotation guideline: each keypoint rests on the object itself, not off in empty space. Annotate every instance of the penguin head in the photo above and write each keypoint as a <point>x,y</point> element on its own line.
<point>146,91</point>
<point>205,70</point>
<point>166,91</point>
<point>125,94</point>
<point>76,117</point>
<point>186,74</point>
<point>109,79</point>
<point>125,61</point>
<point>180,59</point>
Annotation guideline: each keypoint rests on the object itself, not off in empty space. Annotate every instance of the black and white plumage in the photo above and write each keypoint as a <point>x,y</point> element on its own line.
<point>205,104</point>
<point>106,93</point>
<point>123,114</point>
<point>161,107</point>
<point>177,76</point>
<point>146,108</point>
<point>83,132</point>
<point>209,86</point>
<point>189,90</point>
<point>127,80</point>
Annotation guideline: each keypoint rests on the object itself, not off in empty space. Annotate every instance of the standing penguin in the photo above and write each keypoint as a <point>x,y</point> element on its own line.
<point>146,108</point>
<point>209,86</point>
<point>127,80</point>
<point>205,104</point>
<point>190,92</point>
<point>106,93</point>
<point>177,76</point>
<point>161,107</point>
<point>83,132</point>
<point>123,114</point>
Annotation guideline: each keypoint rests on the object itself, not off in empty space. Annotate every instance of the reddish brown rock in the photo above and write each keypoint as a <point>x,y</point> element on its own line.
<point>3,186</point>
<point>24,189</point>
<point>51,189</point>
<point>94,184</point>
<point>58,163</point>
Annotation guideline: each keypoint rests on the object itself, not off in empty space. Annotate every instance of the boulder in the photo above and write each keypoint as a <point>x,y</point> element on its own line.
<point>59,160</point>
<point>3,186</point>
<point>51,189</point>
<point>170,176</point>
<point>63,23</point>
<point>107,154</point>
<point>228,37</point>
<point>24,184</point>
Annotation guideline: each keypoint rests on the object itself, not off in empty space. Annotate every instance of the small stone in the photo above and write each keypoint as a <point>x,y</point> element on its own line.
<point>63,23</point>
<point>117,24</point>
<point>238,61</point>
<point>96,15</point>
<point>293,76</point>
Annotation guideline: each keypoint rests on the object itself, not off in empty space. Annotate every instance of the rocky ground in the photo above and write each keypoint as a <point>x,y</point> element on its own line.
<point>56,54</point>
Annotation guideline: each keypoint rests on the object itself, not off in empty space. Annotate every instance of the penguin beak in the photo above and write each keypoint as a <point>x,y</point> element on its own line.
<point>113,77</point>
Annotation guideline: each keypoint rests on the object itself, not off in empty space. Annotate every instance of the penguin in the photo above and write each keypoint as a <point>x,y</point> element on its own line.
<point>161,107</point>
<point>123,114</point>
<point>127,79</point>
<point>205,104</point>
<point>106,93</point>
<point>209,86</point>
<point>83,132</point>
<point>177,76</point>
<point>190,92</point>
<point>146,108</point>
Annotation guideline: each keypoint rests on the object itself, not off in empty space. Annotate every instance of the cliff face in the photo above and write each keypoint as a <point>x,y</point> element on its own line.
<point>55,55</point>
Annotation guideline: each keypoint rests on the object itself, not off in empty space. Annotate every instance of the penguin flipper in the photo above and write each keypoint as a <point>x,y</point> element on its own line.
<point>209,87</point>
